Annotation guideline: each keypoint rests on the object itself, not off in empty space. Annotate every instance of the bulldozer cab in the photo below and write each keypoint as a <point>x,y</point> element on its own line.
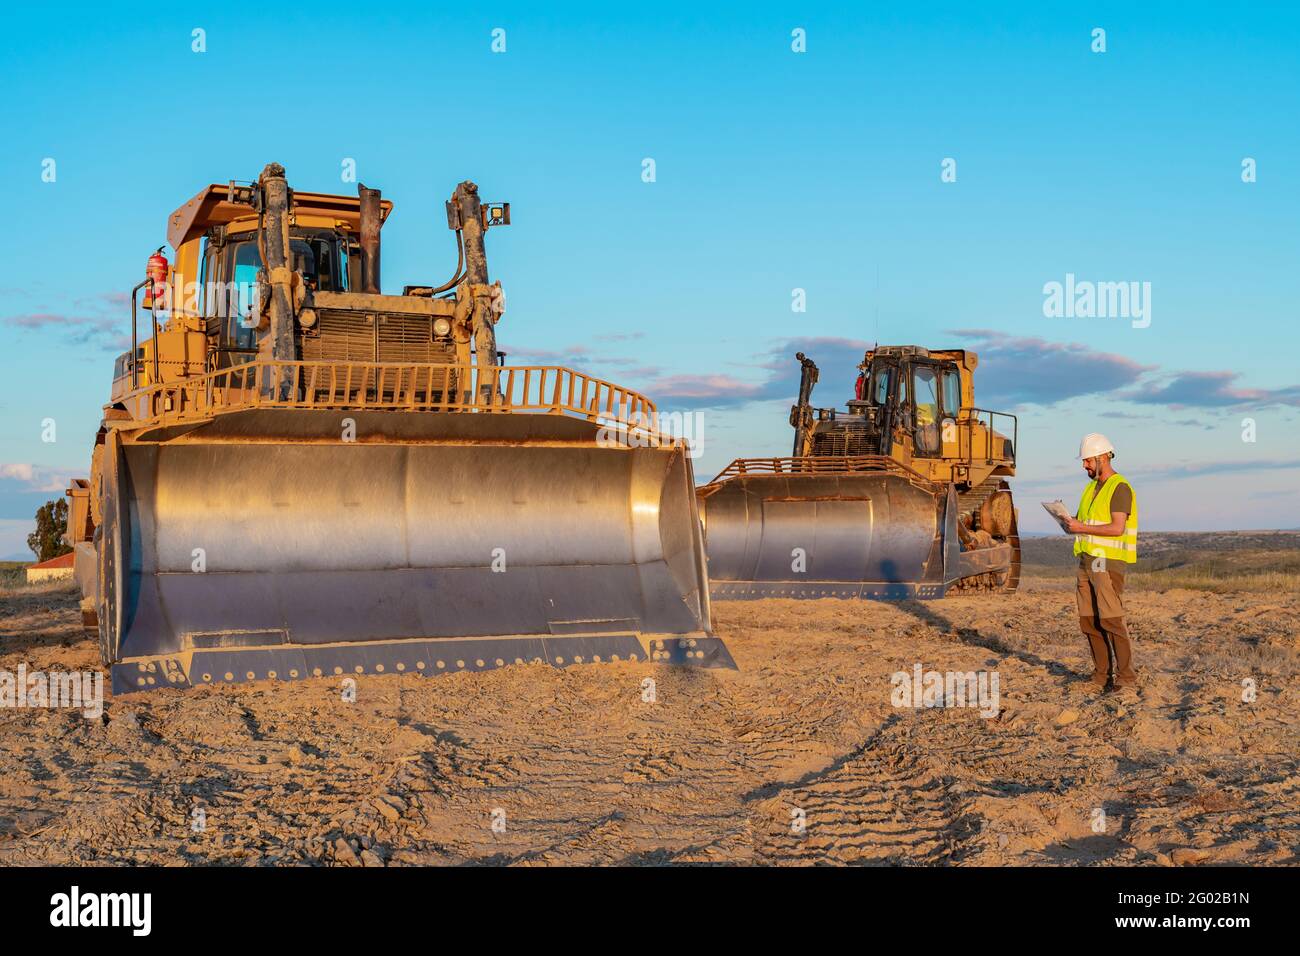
<point>220,331</point>
<point>204,322</point>
<point>920,395</point>
<point>325,259</point>
<point>914,405</point>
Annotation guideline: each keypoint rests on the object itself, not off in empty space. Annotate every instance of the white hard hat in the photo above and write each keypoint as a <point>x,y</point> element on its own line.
<point>1094,444</point>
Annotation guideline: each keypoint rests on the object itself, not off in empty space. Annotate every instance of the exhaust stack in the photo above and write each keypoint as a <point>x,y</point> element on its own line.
<point>371,220</point>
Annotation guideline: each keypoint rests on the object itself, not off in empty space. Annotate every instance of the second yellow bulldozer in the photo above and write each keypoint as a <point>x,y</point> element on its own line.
<point>902,495</point>
<point>297,475</point>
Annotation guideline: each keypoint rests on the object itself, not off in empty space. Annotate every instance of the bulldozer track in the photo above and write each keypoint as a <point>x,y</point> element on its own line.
<point>971,501</point>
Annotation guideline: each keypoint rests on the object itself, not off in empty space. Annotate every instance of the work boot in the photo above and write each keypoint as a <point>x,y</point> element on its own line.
<point>1129,693</point>
<point>1086,687</point>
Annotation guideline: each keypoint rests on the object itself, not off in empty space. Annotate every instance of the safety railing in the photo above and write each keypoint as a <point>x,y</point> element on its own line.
<point>262,383</point>
<point>978,443</point>
<point>820,465</point>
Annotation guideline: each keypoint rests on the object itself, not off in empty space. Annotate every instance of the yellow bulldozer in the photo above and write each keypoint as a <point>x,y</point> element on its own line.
<point>298,475</point>
<point>901,495</point>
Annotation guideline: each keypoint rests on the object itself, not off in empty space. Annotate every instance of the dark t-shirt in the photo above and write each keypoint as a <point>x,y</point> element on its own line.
<point>1121,500</point>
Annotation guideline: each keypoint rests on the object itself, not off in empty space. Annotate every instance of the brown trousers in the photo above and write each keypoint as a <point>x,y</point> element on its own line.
<point>1101,618</point>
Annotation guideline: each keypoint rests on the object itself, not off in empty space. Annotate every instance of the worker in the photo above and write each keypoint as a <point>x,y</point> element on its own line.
<point>1105,530</point>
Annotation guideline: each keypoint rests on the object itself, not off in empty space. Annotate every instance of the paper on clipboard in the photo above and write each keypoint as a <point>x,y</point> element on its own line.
<point>1058,511</point>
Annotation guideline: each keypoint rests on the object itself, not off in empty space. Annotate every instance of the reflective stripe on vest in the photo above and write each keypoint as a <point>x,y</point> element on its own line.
<point>1094,508</point>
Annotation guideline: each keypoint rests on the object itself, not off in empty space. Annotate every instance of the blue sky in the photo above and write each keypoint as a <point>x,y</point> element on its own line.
<point>775,170</point>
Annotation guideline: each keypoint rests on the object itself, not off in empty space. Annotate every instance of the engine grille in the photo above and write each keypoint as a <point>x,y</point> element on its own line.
<point>369,337</point>
<point>341,336</point>
<point>338,337</point>
<point>409,338</point>
<point>849,438</point>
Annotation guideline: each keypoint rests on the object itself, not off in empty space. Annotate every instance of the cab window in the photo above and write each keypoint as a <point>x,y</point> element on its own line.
<point>925,387</point>
<point>880,386</point>
<point>239,331</point>
<point>926,383</point>
<point>951,392</point>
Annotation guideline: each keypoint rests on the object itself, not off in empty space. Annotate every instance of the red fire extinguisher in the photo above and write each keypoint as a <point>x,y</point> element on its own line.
<point>156,271</point>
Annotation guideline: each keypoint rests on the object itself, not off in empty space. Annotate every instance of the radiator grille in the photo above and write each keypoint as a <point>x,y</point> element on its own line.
<point>341,336</point>
<point>406,338</point>
<point>850,438</point>
<point>362,337</point>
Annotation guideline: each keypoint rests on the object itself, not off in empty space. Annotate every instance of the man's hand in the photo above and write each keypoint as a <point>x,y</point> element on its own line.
<point>1112,530</point>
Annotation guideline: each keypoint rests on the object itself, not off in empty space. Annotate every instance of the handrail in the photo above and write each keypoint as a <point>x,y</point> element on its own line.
<point>397,386</point>
<point>135,335</point>
<point>971,415</point>
<point>819,465</point>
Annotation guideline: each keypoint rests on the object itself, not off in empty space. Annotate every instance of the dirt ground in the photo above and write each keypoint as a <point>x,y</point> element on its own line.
<point>573,767</point>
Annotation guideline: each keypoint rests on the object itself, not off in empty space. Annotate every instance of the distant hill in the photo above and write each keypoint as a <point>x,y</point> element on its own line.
<point>1217,561</point>
<point>1163,548</point>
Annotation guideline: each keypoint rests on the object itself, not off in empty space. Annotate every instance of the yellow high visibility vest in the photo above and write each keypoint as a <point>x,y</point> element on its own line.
<point>1094,508</point>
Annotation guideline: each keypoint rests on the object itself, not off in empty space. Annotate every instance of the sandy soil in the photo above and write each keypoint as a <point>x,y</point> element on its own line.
<point>582,770</point>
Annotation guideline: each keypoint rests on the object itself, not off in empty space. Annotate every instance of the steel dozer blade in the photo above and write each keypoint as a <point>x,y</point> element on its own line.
<point>879,534</point>
<point>262,544</point>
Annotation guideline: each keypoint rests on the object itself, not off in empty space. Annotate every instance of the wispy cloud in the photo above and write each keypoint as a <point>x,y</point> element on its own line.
<point>1193,423</point>
<point>24,487</point>
<point>1210,390</point>
<point>1198,469</point>
<point>837,363</point>
<point>1024,370</point>
<point>546,356</point>
<point>101,320</point>
<point>1014,371</point>
<point>28,477</point>
<point>837,360</point>
<point>708,391</point>
<point>630,369</point>
<point>1056,478</point>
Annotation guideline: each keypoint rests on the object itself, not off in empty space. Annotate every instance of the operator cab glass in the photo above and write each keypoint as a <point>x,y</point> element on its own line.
<point>237,331</point>
<point>951,393</point>
<point>231,282</point>
<point>879,393</point>
<point>925,386</point>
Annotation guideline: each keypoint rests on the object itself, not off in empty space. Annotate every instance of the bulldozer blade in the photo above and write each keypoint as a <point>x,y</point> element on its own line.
<point>261,544</point>
<point>872,535</point>
<point>233,665</point>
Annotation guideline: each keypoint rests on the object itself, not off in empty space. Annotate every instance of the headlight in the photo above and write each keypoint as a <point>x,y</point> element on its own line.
<point>441,327</point>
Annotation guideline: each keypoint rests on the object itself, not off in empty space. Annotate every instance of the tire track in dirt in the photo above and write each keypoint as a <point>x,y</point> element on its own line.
<point>587,771</point>
<point>884,803</point>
